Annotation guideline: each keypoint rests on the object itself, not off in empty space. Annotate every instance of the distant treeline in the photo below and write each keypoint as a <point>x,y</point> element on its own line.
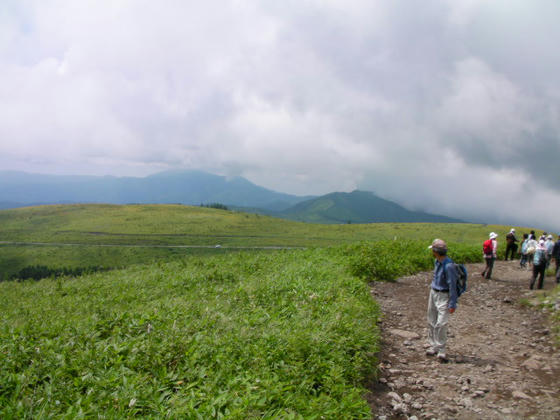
<point>215,206</point>
<point>38,272</point>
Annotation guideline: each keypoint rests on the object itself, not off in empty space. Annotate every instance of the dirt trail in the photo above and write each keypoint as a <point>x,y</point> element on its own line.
<point>502,361</point>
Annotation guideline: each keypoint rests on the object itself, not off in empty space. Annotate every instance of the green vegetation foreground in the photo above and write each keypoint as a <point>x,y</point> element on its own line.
<point>290,334</point>
<point>285,334</point>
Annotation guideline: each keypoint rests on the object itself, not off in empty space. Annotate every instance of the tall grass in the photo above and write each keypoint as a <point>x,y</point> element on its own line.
<point>283,335</point>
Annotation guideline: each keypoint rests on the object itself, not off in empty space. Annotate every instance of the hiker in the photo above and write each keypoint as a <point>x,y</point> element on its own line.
<point>532,235</point>
<point>549,245</point>
<point>442,300</point>
<point>539,265</point>
<point>511,244</point>
<point>556,256</point>
<point>524,255</point>
<point>490,249</point>
<point>531,248</point>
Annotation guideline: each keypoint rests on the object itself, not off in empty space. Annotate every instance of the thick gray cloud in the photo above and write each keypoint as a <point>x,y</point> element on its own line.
<point>449,106</point>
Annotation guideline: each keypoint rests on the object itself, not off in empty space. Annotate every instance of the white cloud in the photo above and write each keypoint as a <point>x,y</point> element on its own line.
<point>301,97</point>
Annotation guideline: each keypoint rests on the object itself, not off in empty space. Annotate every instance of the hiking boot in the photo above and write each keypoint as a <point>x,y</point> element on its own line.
<point>430,352</point>
<point>442,357</point>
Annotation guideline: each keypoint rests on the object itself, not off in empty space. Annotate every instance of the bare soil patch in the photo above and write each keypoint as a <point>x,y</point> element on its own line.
<point>502,360</point>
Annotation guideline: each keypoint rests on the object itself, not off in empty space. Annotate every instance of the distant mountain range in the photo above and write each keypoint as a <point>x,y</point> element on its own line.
<point>185,187</point>
<point>18,189</point>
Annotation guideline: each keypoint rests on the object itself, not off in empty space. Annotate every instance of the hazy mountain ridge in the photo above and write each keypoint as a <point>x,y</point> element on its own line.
<point>19,189</point>
<point>358,207</point>
<point>185,187</point>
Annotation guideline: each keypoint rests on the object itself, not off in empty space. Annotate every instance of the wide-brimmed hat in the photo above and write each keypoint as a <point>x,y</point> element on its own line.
<point>493,235</point>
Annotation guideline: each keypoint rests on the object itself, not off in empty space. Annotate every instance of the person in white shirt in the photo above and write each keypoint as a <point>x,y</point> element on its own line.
<point>491,256</point>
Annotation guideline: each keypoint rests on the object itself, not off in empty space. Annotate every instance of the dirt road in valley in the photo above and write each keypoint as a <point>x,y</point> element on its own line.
<point>502,360</point>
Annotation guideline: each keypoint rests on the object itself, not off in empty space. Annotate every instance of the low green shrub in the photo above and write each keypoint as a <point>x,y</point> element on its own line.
<point>388,260</point>
<point>38,272</point>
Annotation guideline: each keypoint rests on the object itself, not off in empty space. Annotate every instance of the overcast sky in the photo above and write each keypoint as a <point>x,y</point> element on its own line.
<point>448,106</point>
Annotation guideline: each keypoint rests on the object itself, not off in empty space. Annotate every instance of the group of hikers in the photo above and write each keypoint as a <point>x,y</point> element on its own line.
<point>534,252</point>
<point>444,291</point>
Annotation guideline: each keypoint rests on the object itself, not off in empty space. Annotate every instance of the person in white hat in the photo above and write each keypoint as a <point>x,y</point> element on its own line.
<point>490,249</point>
<point>442,300</point>
<point>539,266</point>
<point>511,246</point>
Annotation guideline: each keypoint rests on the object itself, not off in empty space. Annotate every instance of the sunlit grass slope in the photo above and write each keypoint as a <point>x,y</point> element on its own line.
<point>187,225</point>
<point>289,334</point>
<point>146,230</point>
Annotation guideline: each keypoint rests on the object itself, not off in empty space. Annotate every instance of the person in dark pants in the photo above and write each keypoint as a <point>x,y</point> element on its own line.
<point>511,244</point>
<point>524,255</point>
<point>491,256</point>
<point>556,256</point>
<point>539,266</point>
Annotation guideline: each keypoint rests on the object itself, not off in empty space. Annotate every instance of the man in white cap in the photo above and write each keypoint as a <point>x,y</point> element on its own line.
<point>442,300</point>
<point>490,249</point>
<point>511,244</point>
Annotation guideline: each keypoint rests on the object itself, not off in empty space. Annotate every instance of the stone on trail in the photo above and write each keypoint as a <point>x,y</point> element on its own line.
<point>532,363</point>
<point>520,395</point>
<point>407,335</point>
<point>394,396</point>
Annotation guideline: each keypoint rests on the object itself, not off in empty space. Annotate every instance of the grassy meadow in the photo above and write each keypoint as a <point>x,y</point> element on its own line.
<point>232,332</point>
<point>118,236</point>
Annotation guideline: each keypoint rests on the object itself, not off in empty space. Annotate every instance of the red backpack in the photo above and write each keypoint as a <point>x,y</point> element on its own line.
<point>487,247</point>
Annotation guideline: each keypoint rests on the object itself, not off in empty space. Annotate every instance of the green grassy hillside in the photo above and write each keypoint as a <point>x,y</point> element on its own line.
<point>159,232</point>
<point>187,225</point>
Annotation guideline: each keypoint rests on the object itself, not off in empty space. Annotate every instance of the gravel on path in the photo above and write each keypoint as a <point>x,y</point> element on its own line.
<point>502,360</point>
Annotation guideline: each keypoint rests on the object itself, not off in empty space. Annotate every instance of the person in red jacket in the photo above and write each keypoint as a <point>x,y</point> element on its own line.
<point>490,255</point>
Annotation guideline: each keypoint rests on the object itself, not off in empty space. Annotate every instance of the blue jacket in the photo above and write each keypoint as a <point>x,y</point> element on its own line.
<point>445,278</point>
<point>540,257</point>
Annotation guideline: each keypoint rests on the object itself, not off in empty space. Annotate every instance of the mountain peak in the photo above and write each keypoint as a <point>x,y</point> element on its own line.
<point>357,207</point>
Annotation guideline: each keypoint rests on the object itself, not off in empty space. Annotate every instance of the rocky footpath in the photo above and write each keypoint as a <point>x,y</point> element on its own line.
<point>502,360</point>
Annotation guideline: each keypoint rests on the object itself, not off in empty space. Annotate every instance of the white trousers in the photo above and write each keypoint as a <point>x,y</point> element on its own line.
<point>438,318</point>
